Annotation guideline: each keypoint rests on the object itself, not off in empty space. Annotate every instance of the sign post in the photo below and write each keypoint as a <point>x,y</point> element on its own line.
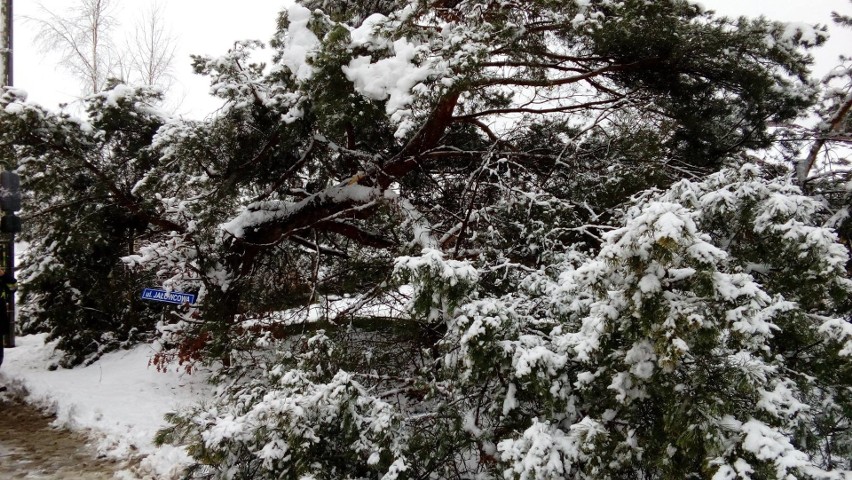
<point>10,202</point>
<point>165,296</point>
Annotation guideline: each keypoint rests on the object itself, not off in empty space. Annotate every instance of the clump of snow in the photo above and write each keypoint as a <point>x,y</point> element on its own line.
<point>118,93</point>
<point>767,443</point>
<point>840,330</point>
<point>364,34</point>
<point>260,213</point>
<point>545,451</point>
<point>452,271</point>
<point>390,78</point>
<point>802,32</point>
<point>14,99</point>
<point>120,401</point>
<point>301,42</point>
<point>14,94</point>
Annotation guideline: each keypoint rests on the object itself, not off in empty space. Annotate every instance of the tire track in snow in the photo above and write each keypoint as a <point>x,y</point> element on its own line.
<point>30,448</point>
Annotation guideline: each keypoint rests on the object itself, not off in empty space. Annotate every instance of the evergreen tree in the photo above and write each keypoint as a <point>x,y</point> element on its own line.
<point>83,217</point>
<point>453,239</point>
<point>707,338</point>
<point>359,133</point>
<point>822,166</point>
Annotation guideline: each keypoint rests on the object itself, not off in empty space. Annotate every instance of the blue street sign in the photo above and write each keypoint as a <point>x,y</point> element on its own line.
<point>178,298</point>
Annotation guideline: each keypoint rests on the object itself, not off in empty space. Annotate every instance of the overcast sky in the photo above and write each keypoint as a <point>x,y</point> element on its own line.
<point>211,27</point>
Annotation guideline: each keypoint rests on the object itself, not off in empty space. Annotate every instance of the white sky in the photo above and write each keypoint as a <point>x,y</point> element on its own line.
<point>206,27</point>
<point>211,27</point>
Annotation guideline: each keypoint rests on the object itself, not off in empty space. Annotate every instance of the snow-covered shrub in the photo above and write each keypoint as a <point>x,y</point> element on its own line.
<point>682,349</point>
<point>73,284</point>
<point>683,360</point>
<point>296,420</point>
<point>439,284</point>
<point>705,334</point>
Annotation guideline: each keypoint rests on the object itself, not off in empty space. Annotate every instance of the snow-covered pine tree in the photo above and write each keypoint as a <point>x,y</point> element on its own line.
<point>675,352</point>
<point>708,338</point>
<point>320,165</point>
<point>408,239</point>
<point>604,100</point>
<point>316,168</point>
<point>82,217</point>
<point>821,153</point>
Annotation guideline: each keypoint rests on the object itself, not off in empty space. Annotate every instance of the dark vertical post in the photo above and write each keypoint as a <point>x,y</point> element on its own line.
<point>9,29</point>
<point>9,80</point>
<point>10,302</point>
<point>7,43</point>
<point>10,202</point>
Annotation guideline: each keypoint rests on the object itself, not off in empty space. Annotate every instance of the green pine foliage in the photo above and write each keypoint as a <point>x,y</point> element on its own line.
<point>667,354</point>
<point>83,218</point>
<point>458,239</point>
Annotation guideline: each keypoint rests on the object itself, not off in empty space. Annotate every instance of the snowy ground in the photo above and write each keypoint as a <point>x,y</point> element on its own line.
<point>119,401</point>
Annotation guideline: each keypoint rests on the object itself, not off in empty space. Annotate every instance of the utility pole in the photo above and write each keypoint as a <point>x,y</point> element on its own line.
<point>9,220</point>
<point>6,45</point>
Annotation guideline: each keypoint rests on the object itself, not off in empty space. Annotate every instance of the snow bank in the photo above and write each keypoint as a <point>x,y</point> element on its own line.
<point>119,401</point>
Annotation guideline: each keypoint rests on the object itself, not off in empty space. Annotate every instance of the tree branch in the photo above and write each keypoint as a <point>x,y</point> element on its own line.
<point>364,237</point>
<point>555,82</point>
<point>327,204</point>
<point>316,247</point>
<point>834,125</point>
<point>535,111</point>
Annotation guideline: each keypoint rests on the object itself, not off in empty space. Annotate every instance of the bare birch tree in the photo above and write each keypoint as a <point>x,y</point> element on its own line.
<point>82,36</point>
<point>151,49</point>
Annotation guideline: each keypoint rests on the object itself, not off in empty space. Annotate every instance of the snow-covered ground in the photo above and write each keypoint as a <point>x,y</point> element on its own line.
<point>119,401</point>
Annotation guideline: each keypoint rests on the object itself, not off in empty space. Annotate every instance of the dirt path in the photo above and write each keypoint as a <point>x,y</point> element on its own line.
<point>31,449</point>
